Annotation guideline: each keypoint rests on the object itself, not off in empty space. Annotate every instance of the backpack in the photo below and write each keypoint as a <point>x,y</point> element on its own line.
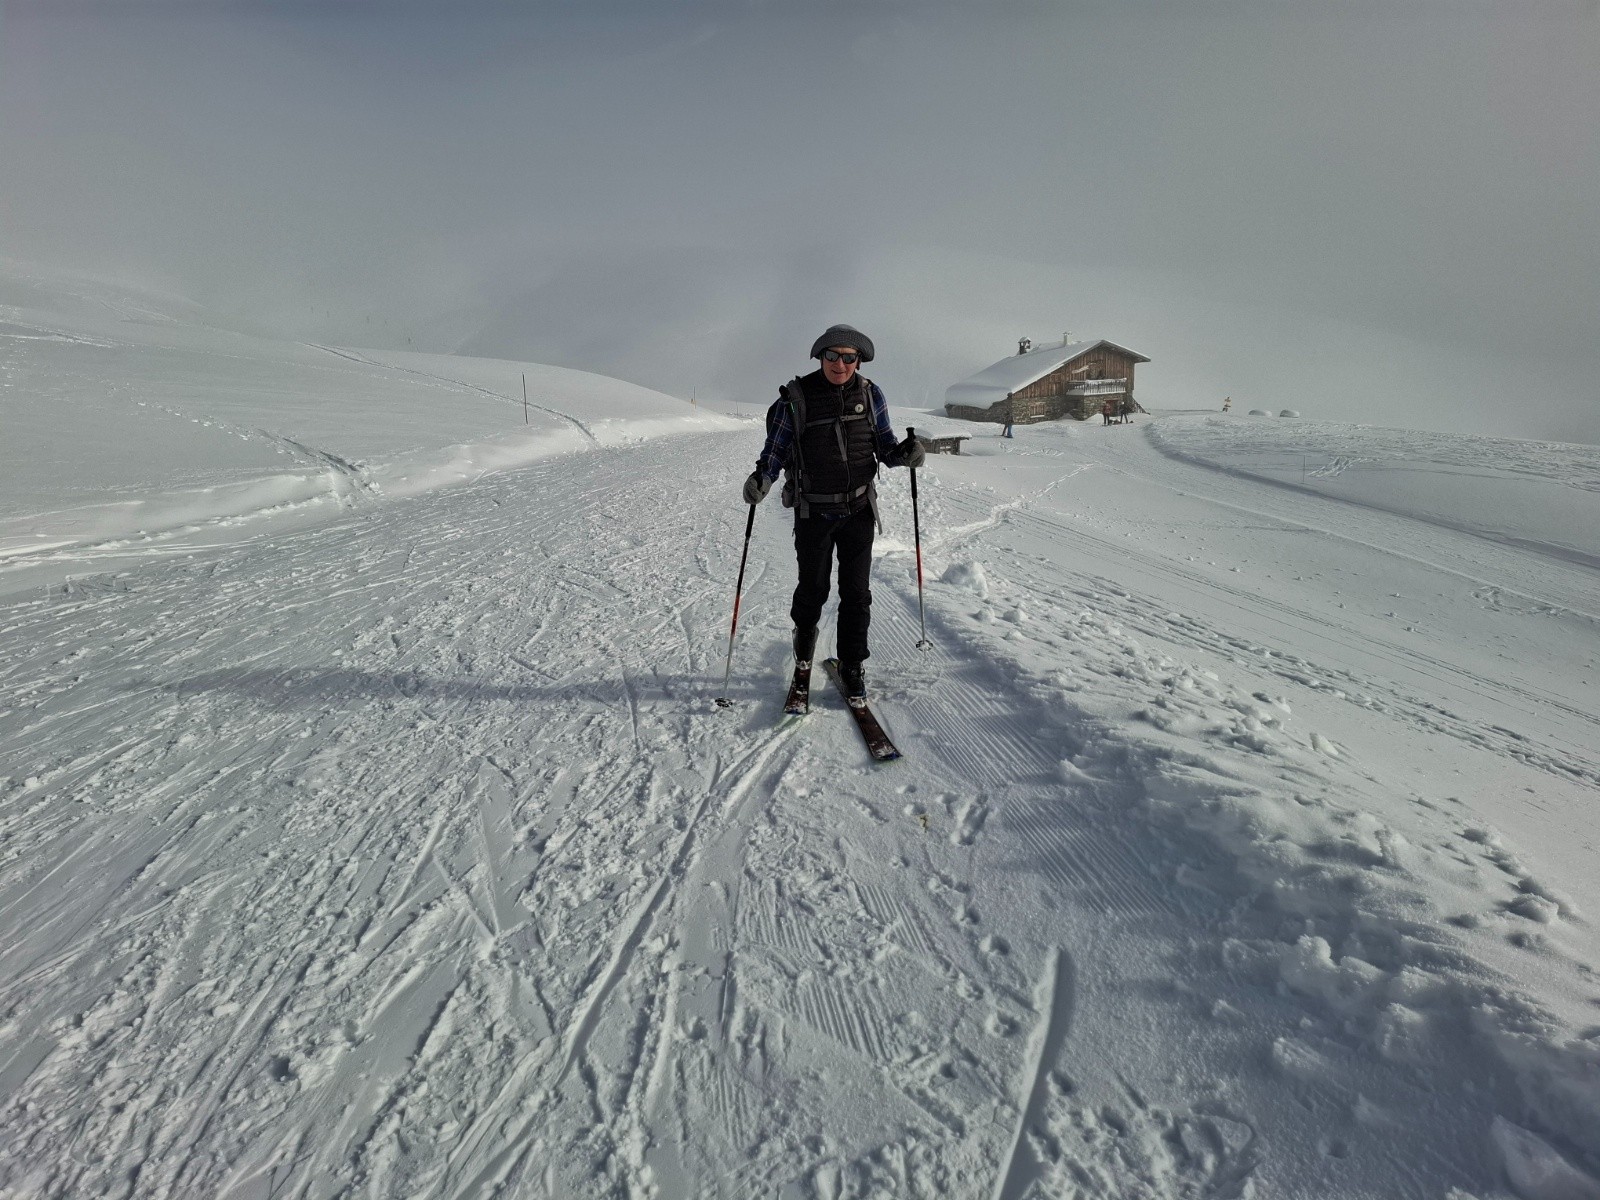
<point>792,397</point>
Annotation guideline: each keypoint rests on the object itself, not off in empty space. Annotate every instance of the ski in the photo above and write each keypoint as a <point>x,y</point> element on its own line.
<point>878,743</point>
<point>798,702</point>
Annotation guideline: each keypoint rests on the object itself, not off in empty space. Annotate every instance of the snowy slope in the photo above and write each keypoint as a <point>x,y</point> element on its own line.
<point>1244,845</point>
<point>133,426</point>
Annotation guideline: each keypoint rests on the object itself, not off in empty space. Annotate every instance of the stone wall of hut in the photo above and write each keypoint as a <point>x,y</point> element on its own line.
<point>1028,410</point>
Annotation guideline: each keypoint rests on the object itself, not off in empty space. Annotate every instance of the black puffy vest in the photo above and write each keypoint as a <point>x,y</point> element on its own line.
<point>836,446</point>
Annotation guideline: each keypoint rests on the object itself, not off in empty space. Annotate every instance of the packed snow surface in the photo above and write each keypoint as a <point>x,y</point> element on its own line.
<point>363,835</point>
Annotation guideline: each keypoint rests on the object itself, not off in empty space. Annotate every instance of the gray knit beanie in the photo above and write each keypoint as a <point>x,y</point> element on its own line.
<point>843,335</point>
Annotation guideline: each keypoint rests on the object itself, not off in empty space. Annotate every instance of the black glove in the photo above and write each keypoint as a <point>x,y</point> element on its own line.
<point>756,488</point>
<point>910,453</point>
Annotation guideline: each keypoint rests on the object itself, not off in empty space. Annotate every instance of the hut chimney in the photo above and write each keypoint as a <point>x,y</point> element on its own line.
<point>1024,345</point>
<point>1066,338</point>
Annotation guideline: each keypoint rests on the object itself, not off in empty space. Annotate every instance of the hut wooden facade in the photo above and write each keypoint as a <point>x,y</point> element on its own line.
<point>1069,380</point>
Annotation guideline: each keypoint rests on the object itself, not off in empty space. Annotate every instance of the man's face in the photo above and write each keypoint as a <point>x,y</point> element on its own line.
<point>839,371</point>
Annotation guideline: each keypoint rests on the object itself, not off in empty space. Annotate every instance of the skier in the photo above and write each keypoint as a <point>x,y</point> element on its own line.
<point>830,430</point>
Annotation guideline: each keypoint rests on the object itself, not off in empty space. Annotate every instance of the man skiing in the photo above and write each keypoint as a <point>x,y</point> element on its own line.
<point>830,430</point>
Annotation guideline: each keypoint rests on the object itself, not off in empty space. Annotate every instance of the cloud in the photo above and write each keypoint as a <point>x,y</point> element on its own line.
<point>1262,201</point>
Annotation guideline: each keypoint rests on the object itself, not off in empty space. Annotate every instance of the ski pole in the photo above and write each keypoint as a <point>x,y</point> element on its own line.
<point>916,527</point>
<point>738,592</point>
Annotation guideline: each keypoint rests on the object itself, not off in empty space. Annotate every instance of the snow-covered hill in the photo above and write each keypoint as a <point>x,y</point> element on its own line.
<point>132,424</point>
<point>1244,845</point>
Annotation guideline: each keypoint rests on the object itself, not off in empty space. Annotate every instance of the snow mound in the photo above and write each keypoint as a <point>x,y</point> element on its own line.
<point>968,576</point>
<point>1536,1170</point>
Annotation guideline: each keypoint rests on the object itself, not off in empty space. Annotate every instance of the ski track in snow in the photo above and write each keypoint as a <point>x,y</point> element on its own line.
<point>407,856</point>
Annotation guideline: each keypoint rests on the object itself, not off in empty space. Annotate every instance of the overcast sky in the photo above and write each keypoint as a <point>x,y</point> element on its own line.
<point>1384,212</point>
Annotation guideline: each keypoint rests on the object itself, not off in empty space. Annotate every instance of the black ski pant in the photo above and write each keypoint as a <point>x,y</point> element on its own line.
<point>816,541</point>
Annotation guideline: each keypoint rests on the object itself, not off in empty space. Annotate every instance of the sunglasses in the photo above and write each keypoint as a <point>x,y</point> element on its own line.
<point>835,356</point>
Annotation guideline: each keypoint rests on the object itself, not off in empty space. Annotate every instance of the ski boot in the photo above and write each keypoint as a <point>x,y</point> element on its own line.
<point>854,677</point>
<point>799,701</point>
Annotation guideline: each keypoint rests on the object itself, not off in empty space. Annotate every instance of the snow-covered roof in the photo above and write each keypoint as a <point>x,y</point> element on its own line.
<point>993,384</point>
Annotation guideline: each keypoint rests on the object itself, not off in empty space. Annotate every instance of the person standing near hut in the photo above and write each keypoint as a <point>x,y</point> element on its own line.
<point>830,430</point>
<point>1106,409</point>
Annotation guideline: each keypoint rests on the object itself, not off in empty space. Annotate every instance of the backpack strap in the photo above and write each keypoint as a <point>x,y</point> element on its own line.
<point>795,469</point>
<point>795,396</point>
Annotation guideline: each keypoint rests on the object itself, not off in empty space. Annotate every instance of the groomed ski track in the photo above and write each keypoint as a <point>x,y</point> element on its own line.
<point>409,856</point>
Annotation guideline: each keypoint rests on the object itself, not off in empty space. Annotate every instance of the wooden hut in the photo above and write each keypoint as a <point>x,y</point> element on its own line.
<point>1072,379</point>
